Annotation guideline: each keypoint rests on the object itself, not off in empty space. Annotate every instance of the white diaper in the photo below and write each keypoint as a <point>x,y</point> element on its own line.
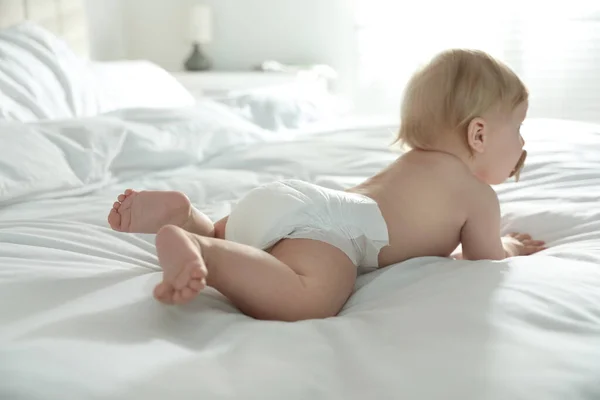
<point>299,210</point>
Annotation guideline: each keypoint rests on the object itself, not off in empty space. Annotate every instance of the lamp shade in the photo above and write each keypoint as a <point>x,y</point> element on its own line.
<point>200,29</point>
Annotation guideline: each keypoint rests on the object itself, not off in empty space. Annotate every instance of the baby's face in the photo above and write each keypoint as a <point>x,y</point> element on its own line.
<point>505,154</point>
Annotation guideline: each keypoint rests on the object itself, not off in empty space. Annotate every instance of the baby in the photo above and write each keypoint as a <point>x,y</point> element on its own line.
<point>290,250</point>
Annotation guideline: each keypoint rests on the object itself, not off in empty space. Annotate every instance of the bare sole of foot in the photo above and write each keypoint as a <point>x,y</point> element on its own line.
<point>184,271</point>
<point>148,211</point>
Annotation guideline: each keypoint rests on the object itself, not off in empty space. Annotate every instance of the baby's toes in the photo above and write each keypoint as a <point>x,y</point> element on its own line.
<point>164,292</point>
<point>177,297</point>
<point>199,272</point>
<point>188,293</point>
<point>161,289</point>
<point>114,219</point>
<point>125,194</point>
<point>197,284</point>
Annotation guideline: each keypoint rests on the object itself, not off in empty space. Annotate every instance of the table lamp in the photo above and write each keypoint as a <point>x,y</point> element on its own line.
<point>200,33</point>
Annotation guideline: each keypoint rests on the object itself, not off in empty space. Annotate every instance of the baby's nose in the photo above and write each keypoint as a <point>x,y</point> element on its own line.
<point>522,141</point>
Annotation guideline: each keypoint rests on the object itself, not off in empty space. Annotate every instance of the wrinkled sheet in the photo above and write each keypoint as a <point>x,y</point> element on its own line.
<point>77,319</point>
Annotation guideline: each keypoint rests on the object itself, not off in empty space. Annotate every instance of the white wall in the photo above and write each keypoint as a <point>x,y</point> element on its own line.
<point>246,32</point>
<point>106,29</point>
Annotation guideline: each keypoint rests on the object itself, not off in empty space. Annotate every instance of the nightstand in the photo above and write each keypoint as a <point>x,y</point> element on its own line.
<point>221,83</point>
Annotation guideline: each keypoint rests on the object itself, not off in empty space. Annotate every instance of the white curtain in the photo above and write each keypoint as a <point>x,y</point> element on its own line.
<point>554,47</point>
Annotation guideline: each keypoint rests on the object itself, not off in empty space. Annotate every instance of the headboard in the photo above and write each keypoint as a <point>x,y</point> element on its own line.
<point>65,18</point>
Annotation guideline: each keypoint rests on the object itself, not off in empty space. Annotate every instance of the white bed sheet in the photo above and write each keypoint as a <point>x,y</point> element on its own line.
<point>78,321</point>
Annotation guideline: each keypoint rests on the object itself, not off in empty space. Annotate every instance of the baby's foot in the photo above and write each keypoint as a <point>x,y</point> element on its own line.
<point>184,271</point>
<point>148,211</point>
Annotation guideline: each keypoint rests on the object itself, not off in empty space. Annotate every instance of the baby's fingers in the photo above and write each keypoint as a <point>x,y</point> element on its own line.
<point>528,250</point>
<point>534,242</point>
<point>522,237</point>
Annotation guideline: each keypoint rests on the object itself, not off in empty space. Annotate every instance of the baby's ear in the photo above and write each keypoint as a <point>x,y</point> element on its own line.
<point>476,135</point>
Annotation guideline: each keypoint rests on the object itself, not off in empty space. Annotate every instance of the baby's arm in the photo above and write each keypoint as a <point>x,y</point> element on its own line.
<point>480,235</point>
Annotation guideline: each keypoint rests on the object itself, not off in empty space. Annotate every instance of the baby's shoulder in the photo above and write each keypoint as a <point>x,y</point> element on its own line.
<point>475,197</point>
<point>448,177</point>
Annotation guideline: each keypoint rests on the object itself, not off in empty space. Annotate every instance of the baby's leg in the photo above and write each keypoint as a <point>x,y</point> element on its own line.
<point>148,211</point>
<point>301,279</point>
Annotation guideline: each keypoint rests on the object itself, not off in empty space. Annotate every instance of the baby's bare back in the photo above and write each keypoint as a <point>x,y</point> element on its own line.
<point>425,199</point>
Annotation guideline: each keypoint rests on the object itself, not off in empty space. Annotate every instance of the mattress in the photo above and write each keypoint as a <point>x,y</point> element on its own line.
<point>77,318</point>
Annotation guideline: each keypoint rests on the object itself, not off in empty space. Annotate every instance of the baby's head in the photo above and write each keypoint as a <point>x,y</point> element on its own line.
<point>467,98</point>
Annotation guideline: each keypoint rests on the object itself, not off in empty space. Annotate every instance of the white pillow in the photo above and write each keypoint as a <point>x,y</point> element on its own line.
<point>138,84</point>
<point>41,78</point>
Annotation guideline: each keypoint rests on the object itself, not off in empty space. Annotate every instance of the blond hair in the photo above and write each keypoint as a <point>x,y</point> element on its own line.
<point>452,89</point>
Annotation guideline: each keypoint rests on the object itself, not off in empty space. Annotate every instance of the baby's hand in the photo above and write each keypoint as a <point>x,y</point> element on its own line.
<point>521,244</point>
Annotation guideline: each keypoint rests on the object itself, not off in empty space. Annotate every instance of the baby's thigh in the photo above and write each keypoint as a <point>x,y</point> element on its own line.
<point>327,272</point>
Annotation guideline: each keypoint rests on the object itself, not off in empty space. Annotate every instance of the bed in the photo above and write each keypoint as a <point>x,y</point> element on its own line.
<point>77,320</point>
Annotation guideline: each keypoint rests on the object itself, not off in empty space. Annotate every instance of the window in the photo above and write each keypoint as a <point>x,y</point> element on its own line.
<point>554,47</point>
